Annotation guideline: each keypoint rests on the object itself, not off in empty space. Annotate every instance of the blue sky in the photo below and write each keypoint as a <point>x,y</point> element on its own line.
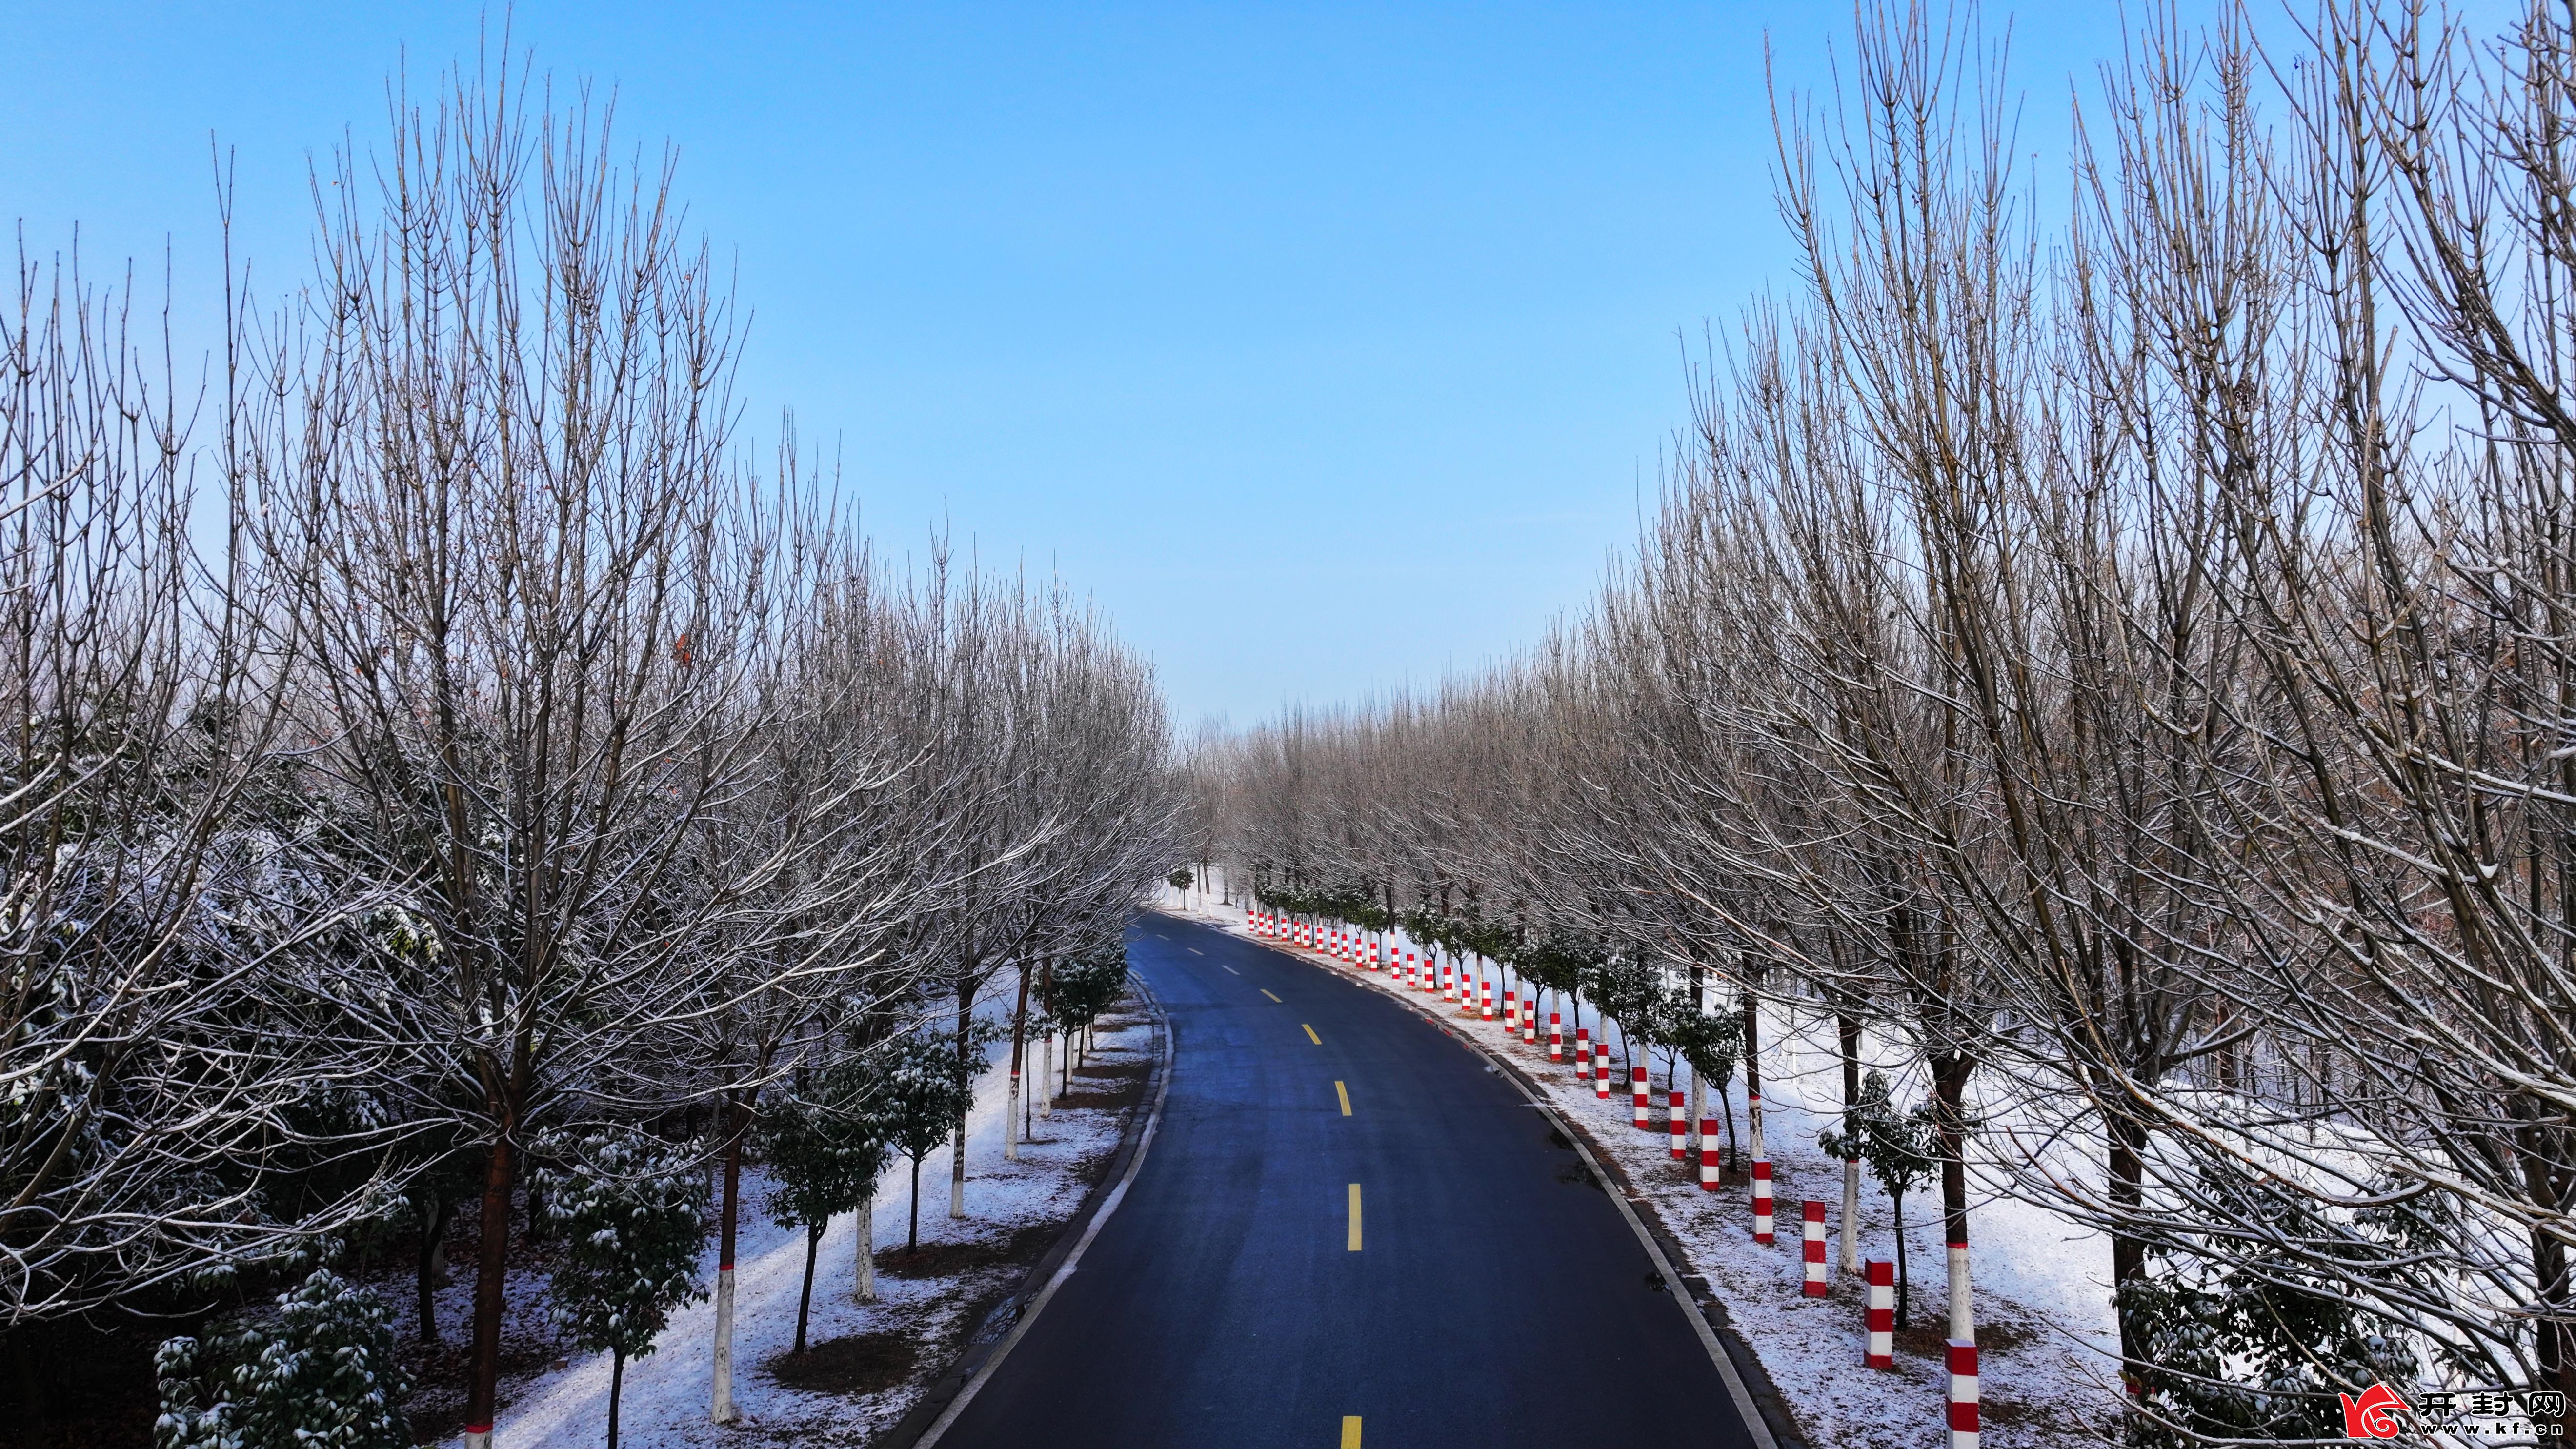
<point>1328,348</point>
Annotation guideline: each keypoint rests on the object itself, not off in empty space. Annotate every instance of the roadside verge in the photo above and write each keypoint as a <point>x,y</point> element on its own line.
<point>1001,1328</point>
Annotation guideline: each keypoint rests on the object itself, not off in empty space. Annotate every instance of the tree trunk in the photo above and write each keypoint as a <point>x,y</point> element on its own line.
<point>1019,1039</point>
<point>616,1390</point>
<point>1046,1042</point>
<point>957,1158</point>
<point>912,1235</point>
<point>805,1300</point>
<point>491,1266</point>
<point>867,1246</point>
<point>1847,1030</point>
<point>2128,1252</point>
<point>1734,1149</point>
<point>1753,1074</point>
<point>737,1122</point>
<point>1699,1086</point>
<point>1950,1082</point>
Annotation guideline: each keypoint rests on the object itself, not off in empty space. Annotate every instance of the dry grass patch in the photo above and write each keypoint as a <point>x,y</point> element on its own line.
<point>864,1363</point>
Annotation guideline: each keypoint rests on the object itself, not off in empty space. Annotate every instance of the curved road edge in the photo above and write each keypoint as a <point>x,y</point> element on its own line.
<point>948,1396</point>
<point>1757,1400</point>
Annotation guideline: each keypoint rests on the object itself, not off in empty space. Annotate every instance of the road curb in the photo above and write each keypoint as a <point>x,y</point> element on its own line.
<point>1001,1327</point>
<point>1751,1378</point>
<point>1769,1421</point>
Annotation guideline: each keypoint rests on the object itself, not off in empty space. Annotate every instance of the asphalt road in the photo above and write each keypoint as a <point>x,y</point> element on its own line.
<point>1490,1295</point>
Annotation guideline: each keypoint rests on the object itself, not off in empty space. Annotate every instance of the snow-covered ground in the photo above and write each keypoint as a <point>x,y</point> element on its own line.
<point>665,1400</point>
<point>2047,1335</point>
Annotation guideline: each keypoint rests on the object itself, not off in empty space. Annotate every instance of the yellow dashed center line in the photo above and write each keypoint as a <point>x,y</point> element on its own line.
<point>1350,1431</point>
<point>1310,1035</point>
<point>1355,1219</point>
<point>1344,1093</point>
<point>1266,992</point>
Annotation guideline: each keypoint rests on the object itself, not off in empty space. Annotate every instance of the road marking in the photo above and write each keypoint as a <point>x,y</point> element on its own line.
<point>1230,971</point>
<point>1350,1431</point>
<point>1344,1093</point>
<point>1266,992</point>
<point>1310,1035</point>
<point>1193,950</point>
<point>1355,1227</point>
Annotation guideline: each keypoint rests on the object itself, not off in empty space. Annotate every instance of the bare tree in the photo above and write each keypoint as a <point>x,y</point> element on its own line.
<point>168,1111</point>
<point>531,619</point>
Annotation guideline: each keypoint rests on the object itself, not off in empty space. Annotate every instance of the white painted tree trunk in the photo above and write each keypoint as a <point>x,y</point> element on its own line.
<point>1011,1123</point>
<point>1963,1306</point>
<point>1851,1217</point>
<point>1964,1392</point>
<point>1698,1110</point>
<point>723,1411</point>
<point>957,1176</point>
<point>1046,1076</point>
<point>867,1216</point>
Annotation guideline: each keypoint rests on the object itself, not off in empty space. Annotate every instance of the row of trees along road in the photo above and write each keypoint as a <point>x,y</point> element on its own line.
<point>2127,655</point>
<point>435,738</point>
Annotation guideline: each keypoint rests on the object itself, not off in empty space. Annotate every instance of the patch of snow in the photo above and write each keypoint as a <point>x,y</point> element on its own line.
<point>666,1395</point>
